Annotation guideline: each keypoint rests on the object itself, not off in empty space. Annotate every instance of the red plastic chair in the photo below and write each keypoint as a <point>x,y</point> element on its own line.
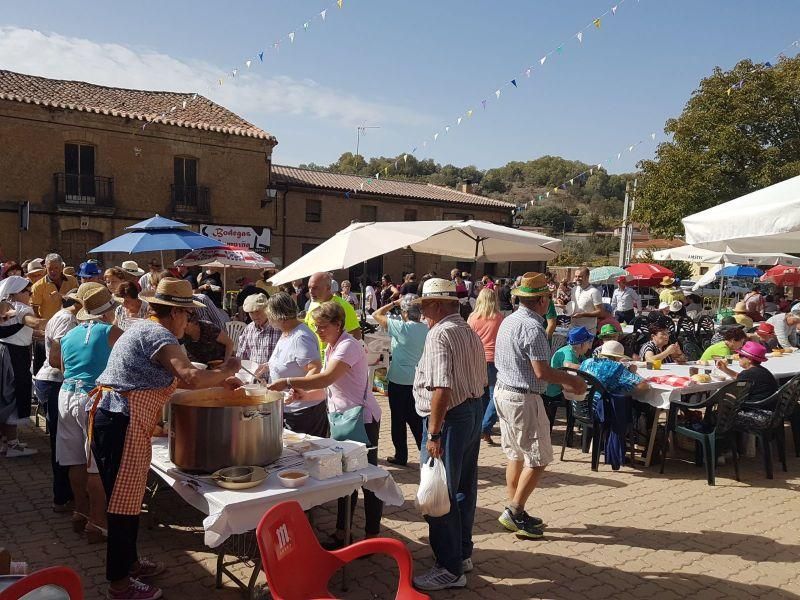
<point>298,568</point>
<point>62,577</point>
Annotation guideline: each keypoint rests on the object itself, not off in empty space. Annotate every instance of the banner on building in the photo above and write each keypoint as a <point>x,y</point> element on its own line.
<point>257,239</point>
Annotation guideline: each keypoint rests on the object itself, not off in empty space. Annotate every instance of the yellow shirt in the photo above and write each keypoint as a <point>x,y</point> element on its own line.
<point>350,319</point>
<point>46,298</point>
<point>669,295</point>
<point>743,319</point>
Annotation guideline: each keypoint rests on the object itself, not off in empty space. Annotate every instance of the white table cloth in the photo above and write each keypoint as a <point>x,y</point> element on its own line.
<point>232,512</point>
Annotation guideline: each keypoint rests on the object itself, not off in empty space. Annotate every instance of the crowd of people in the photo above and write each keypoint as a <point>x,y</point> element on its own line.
<point>467,355</point>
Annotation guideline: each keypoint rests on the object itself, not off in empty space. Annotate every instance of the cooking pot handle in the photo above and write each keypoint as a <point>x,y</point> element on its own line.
<point>249,415</point>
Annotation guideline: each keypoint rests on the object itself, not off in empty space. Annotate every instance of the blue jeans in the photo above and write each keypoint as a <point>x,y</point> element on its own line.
<point>451,535</point>
<point>489,410</point>
<point>47,393</point>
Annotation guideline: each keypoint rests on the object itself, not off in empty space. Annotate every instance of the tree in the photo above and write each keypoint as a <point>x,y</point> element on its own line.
<point>739,132</point>
<point>552,217</point>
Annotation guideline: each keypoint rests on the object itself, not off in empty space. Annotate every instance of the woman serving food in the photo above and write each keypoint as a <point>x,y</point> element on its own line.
<point>144,368</point>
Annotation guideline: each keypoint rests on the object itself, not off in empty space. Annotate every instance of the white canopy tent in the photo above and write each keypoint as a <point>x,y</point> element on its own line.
<point>702,255</point>
<point>762,221</point>
<point>469,240</point>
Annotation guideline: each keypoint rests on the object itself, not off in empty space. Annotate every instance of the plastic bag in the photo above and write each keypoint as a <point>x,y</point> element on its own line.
<point>433,498</point>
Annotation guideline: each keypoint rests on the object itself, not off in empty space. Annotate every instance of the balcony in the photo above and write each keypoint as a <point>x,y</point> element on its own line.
<point>83,193</point>
<point>190,200</point>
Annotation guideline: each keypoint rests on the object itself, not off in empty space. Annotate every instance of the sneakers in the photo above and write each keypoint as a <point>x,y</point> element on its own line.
<point>136,590</point>
<point>439,578</point>
<point>147,568</point>
<point>15,450</point>
<point>466,565</point>
<point>523,524</point>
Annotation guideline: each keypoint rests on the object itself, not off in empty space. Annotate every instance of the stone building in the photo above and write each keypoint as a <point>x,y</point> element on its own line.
<point>87,160</point>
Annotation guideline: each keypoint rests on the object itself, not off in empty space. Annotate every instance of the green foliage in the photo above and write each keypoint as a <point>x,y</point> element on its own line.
<point>552,217</point>
<point>724,144</point>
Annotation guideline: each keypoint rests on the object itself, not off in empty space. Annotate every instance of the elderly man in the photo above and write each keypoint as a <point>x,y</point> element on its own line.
<point>259,338</point>
<point>319,287</point>
<point>46,294</point>
<point>448,385</point>
<point>522,359</point>
<point>786,326</point>
<point>625,301</point>
<point>587,301</point>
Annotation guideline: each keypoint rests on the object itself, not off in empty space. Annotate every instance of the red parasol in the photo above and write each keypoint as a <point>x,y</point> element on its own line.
<point>647,274</point>
<point>782,275</point>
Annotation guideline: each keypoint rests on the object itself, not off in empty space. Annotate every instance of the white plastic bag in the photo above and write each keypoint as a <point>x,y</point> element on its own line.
<point>433,499</point>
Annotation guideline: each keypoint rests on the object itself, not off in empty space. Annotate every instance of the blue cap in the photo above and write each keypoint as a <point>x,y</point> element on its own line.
<point>88,269</point>
<point>579,335</point>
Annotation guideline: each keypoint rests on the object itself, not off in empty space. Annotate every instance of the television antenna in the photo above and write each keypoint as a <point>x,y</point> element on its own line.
<point>362,130</point>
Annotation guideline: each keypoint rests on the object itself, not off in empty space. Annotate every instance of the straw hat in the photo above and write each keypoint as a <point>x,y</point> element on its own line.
<point>740,308</point>
<point>754,351</point>
<point>531,286</point>
<point>173,292</point>
<point>255,303</point>
<point>83,289</point>
<point>438,289</point>
<point>131,267</point>
<point>675,306</point>
<point>667,281</point>
<point>96,303</point>
<point>69,271</point>
<point>35,267</point>
<point>612,349</point>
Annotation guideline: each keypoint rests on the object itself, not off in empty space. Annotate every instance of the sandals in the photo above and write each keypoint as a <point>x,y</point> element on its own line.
<point>95,534</point>
<point>79,522</point>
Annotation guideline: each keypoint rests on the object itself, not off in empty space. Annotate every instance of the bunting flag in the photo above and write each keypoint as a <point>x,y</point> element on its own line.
<point>497,93</point>
<point>579,35</point>
<point>291,37</point>
<point>767,65</point>
<point>339,3</point>
<point>514,82</point>
<point>596,23</point>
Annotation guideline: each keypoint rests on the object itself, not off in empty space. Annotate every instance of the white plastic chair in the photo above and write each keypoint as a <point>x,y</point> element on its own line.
<point>235,329</point>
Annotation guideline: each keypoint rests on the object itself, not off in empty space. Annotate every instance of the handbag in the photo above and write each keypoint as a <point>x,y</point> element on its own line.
<point>349,425</point>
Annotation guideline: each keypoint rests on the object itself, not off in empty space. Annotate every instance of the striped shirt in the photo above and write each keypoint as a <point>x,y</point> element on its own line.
<point>210,313</point>
<point>257,344</point>
<point>453,358</point>
<point>520,340</point>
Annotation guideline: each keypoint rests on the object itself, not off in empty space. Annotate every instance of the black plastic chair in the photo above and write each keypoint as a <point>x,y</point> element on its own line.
<point>691,349</point>
<point>582,412</point>
<point>704,329</point>
<point>685,325</point>
<point>640,323</point>
<point>765,419</point>
<point>563,320</point>
<point>718,423</point>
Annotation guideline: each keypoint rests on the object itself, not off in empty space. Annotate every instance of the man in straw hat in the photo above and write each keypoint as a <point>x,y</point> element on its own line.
<point>448,385</point>
<point>522,358</point>
<point>143,370</point>
<point>670,292</point>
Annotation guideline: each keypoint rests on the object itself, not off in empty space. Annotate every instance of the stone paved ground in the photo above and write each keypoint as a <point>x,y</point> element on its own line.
<point>629,534</point>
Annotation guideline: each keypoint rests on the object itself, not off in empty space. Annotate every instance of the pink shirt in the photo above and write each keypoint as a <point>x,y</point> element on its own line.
<point>351,389</point>
<point>487,331</point>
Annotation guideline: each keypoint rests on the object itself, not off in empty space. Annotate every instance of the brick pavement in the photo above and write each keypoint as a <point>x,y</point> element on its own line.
<point>629,534</point>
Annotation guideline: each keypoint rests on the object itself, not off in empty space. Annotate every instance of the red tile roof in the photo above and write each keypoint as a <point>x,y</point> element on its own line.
<point>200,112</point>
<point>381,187</point>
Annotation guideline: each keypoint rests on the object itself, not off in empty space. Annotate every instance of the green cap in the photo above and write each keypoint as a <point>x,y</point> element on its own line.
<point>607,330</point>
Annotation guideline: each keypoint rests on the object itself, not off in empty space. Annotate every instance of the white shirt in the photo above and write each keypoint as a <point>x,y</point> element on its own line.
<point>24,337</point>
<point>144,282</point>
<point>57,327</point>
<point>334,286</point>
<point>586,300</point>
<point>626,299</point>
<point>372,299</point>
<point>782,329</point>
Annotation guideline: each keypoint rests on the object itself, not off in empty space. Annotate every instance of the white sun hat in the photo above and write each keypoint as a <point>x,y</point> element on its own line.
<point>438,289</point>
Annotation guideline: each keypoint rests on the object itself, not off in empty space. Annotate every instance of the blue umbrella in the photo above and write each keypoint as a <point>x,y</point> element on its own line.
<point>157,222</point>
<point>155,240</point>
<point>740,271</point>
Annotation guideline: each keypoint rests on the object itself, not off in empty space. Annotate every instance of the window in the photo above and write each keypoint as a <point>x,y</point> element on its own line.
<point>313,211</point>
<point>368,213</point>
<point>410,214</point>
<point>185,171</point>
<point>306,248</point>
<point>79,171</point>
<point>703,270</point>
<point>448,216</point>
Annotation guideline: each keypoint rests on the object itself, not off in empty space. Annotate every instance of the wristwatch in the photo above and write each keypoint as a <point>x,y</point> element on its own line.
<point>434,437</point>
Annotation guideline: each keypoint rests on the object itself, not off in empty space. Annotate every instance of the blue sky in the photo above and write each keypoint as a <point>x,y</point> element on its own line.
<point>413,66</point>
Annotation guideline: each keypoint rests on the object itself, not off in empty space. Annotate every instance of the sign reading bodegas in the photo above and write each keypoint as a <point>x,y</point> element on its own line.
<point>251,238</point>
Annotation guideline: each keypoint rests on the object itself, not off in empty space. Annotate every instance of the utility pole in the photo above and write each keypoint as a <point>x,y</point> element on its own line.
<point>629,235</point>
<point>362,130</point>
<point>623,238</point>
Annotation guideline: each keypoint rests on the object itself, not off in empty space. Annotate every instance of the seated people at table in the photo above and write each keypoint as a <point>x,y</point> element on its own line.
<point>752,357</point>
<point>693,306</point>
<point>346,376</point>
<point>732,339</point>
<point>615,377</point>
<point>659,348</point>
<point>741,316</point>
<point>579,342</point>
<point>607,334</point>
<point>296,355</point>
<point>660,316</point>
<point>786,326</point>
<point>143,369</point>
<point>725,324</point>
<point>606,317</point>
<point>676,309</point>
<point>670,292</point>
<point>407,342</point>
<point>765,335</point>
<point>205,342</point>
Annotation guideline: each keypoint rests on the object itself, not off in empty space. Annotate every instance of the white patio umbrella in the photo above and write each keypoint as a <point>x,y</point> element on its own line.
<point>702,255</point>
<point>471,240</point>
<point>767,220</point>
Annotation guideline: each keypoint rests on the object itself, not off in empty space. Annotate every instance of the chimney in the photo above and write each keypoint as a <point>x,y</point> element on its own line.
<point>466,187</point>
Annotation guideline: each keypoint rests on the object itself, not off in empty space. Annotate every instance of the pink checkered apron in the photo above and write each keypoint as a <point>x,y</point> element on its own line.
<point>145,408</point>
